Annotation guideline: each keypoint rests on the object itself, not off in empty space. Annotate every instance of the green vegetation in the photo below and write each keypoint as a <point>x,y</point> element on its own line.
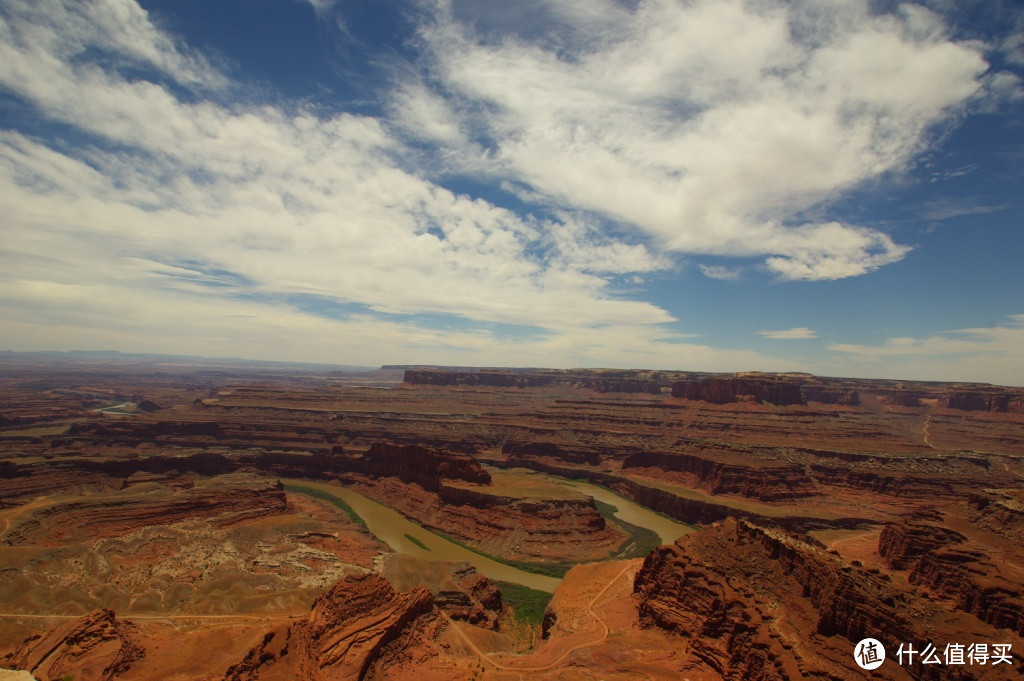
<point>607,510</point>
<point>556,570</point>
<point>641,540</point>
<point>326,496</point>
<point>417,542</point>
<point>529,604</point>
<point>652,510</point>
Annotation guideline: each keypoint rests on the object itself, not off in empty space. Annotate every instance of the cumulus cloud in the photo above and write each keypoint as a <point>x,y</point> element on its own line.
<point>796,333</point>
<point>709,126</point>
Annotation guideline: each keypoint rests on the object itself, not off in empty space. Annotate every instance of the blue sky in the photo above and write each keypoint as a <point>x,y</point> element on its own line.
<point>719,185</point>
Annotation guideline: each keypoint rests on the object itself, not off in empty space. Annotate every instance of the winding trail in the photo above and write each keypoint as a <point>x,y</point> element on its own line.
<point>590,609</point>
<point>1006,467</point>
<point>924,431</point>
<point>20,511</point>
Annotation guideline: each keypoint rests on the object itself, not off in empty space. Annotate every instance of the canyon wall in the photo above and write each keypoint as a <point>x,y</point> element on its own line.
<point>233,499</point>
<point>997,400</point>
<point>724,390</point>
<point>951,567</point>
<point>744,596</point>
<point>765,483</point>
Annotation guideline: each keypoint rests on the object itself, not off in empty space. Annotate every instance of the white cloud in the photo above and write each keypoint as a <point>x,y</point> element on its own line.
<point>118,32</point>
<point>709,125</point>
<point>424,114</point>
<point>994,354</point>
<point>322,5</point>
<point>191,225</point>
<point>796,333</point>
<point>150,316</point>
<point>187,222</point>
<point>288,201</point>
<point>720,272</point>
<point>1013,48</point>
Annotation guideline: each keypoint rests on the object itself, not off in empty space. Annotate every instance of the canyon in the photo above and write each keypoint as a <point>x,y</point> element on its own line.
<point>151,510</point>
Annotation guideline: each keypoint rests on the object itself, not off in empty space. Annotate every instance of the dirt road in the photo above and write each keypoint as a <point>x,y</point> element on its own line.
<point>590,610</point>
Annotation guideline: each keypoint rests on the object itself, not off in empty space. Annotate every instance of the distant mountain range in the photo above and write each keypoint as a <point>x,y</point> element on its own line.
<point>118,357</point>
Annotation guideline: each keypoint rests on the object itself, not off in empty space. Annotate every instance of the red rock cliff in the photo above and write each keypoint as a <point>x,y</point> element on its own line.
<point>755,603</point>
<point>765,483</point>
<point>723,390</point>
<point>950,567</point>
<point>425,466</point>
<point>96,646</point>
<point>344,635</point>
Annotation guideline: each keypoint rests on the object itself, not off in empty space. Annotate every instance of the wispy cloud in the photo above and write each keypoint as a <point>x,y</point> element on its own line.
<point>977,354</point>
<point>945,209</point>
<point>796,333</point>
<point>720,272</point>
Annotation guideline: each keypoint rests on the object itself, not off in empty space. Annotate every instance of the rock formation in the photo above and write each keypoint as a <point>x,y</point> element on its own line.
<point>235,498</point>
<point>951,567</point>
<point>1000,511</point>
<point>523,450</point>
<point>530,529</point>
<point>902,544</point>
<point>830,395</point>
<point>754,603</point>
<point>96,647</point>
<point>424,466</point>
<point>344,635</point>
<point>767,483</point>
<point>995,399</point>
<point>502,379</point>
<point>774,390</point>
<point>602,381</point>
<point>470,597</point>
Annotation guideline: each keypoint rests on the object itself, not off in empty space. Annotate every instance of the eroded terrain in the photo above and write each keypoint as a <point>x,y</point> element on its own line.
<point>188,522</point>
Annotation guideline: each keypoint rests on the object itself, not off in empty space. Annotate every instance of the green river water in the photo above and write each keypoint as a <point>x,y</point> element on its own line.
<point>394,529</point>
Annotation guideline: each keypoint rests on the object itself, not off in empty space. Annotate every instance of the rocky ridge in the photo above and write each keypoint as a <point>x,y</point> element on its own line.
<point>742,596</point>
<point>96,646</point>
<point>235,499</point>
<point>950,566</point>
<point>344,635</point>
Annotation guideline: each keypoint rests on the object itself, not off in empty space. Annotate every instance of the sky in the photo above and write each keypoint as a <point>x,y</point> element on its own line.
<point>830,186</point>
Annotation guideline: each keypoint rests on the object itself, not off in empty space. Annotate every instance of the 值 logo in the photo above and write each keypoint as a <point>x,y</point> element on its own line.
<point>869,653</point>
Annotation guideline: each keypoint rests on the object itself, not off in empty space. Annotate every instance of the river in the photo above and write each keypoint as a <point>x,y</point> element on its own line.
<point>391,527</point>
<point>631,512</point>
